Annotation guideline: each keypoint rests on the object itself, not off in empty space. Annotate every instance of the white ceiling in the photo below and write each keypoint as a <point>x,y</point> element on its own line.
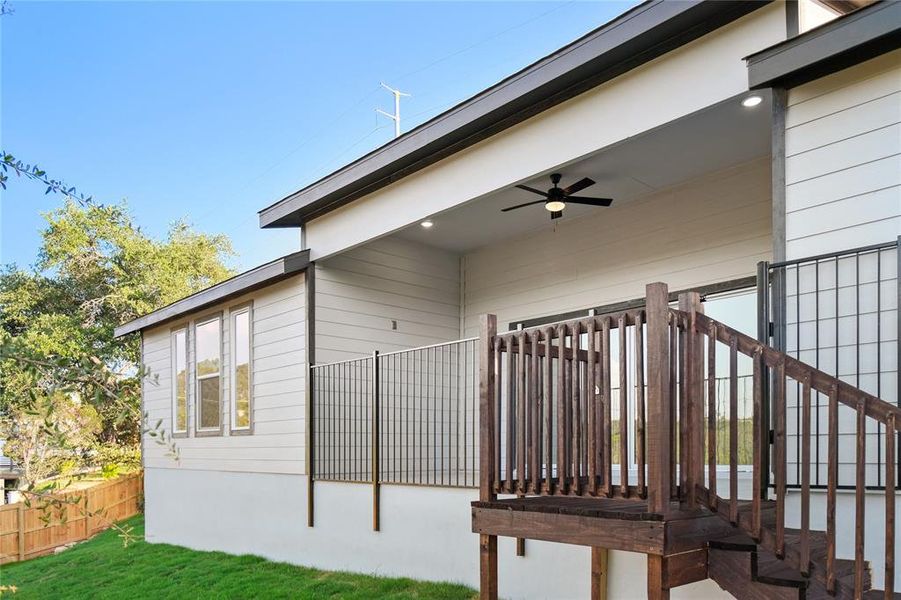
<point>716,138</point>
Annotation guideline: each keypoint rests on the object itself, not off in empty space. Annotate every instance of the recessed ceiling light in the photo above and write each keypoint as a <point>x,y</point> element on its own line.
<point>751,101</point>
<point>427,224</point>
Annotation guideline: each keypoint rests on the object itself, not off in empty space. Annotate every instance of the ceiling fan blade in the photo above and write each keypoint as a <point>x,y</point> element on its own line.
<point>579,185</point>
<point>522,205</point>
<point>533,190</point>
<point>589,201</point>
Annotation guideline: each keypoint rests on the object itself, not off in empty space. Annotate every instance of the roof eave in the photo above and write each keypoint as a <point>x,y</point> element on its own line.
<point>632,39</point>
<point>848,40</point>
<point>251,280</point>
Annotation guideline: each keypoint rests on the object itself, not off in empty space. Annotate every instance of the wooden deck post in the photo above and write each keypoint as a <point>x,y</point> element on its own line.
<point>656,578</point>
<point>487,543</point>
<point>659,412</point>
<point>598,573</point>
<point>690,302</point>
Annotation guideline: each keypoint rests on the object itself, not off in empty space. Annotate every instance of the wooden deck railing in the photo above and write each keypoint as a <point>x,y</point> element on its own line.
<point>561,429</point>
<point>550,425</point>
<point>701,331</point>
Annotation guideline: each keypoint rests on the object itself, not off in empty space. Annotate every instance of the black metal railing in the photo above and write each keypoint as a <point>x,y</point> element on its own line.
<point>839,313</point>
<point>407,417</point>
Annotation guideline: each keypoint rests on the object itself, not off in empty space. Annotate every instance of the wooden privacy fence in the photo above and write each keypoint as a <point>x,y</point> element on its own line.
<point>24,535</point>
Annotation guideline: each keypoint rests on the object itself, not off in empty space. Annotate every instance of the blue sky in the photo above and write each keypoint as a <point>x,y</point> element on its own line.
<point>210,111</point>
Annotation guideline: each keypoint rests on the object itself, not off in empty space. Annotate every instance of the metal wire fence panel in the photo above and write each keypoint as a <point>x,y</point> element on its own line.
<point>839,313</point>
<point>342,400</point>
<point>427,401</point>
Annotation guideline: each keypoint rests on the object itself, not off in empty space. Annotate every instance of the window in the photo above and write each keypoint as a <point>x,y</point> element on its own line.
<point>180,381</point>
<point>240,373</point>
<point>207,367</point>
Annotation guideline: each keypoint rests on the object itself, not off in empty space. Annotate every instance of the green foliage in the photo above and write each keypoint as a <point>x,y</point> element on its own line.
<point>100,568</point>
<point>11,164</point>
<point>96,269</point>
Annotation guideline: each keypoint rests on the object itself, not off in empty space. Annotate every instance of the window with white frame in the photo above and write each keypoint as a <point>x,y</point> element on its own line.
<point>180,380</point>
<point>241,385</point>
<point>208,372</point>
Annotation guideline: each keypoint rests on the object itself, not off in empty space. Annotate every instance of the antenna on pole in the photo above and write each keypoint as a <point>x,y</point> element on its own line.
<point>396,116</point>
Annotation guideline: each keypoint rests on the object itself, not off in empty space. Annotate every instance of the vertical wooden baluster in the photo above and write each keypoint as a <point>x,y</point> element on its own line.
<point>591,408</point>
<point>497,380</point>
<point>607,435</point>
<point>521,414</point>
<point>623,409</point>
<point>535,397</point>
<point>562,482</point>
<point>830,489</point>
<point>548,413</point>
<point>639,403</point>
<point>805,477</point>
<point>511,414</point>
<point>733,429</point>
<point>711,416</point>
<point>780,467</point>
<point>758,425</point>
<point>860,497</point>
<point>576,411</point>
<point>890,459</point>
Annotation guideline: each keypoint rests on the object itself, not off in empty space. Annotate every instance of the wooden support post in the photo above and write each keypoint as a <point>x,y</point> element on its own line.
<point>598,573</point>
<point>487,543</point>
<point>693,420</point>
<point>659,411</point>
<point>20,522</point>
<point>656,578</point>
<point>375,441</point>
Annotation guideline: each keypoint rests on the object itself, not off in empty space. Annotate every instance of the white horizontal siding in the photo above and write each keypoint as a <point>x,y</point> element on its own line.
<point>359,294</point>
<point>843,159</point>
<point>279,353</point>
<point>711,229</point>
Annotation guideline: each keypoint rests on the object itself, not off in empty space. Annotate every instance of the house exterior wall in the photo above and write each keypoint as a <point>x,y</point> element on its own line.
<point>694,77</point>
<point>713,228</point>
<point>360,292</point>
<point>843,159</point>
<point>278,378</point>
<point>425,534</point>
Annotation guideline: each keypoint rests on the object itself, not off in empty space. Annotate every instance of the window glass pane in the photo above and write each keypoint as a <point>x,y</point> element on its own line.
<point>181,381</point>
<point>208,348</point>
<point>209,402</point>
<point>242,369</point>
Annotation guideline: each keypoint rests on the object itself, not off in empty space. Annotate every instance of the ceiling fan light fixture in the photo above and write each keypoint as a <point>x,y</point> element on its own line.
<point>555,205</point>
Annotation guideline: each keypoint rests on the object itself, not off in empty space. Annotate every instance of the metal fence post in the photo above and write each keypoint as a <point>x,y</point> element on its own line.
<point>764,325</point>
<point>375,440</point>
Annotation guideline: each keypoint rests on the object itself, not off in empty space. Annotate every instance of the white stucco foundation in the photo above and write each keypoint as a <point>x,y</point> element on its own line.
<point>425,533</point>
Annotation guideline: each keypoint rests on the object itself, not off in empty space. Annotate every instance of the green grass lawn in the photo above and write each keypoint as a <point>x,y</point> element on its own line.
<point>102,569</point>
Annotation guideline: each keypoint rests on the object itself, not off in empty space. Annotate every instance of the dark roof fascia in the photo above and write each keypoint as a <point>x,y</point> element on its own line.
<point>248,281</point>
<point>829,48</point>
<point>638,36</point>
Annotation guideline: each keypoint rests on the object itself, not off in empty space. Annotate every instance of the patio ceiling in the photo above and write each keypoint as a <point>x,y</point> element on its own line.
<point>722,136</point>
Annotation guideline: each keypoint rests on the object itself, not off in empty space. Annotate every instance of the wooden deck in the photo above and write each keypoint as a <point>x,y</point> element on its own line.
<point>613,523</point>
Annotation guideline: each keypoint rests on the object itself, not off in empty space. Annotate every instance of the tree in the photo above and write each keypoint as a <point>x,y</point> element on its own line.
<point>95,270</point>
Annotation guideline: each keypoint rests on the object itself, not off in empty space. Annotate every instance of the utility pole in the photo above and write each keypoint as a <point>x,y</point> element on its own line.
<point>396,116</point>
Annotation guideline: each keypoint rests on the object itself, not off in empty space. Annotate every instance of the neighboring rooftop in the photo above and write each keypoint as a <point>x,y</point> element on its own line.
<point>266,274</point>
<point>637,36</point>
